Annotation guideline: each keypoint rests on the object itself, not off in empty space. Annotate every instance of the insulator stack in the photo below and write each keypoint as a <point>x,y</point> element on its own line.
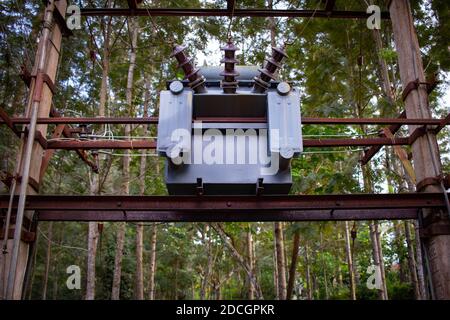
<point>272,64</point>
<point>196,80</point>
<point>229,83</point>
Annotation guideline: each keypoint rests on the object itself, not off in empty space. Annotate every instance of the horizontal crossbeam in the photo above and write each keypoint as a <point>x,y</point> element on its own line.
<point>176,216</point>
<point>230,208</point>
<point>154,120</point>
<point>185,12</point>
<point>145,144</point>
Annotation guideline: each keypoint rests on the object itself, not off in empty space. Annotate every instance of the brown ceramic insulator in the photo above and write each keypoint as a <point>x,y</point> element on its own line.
<point>229,83</point>
<point>268,72</point>
<point>196,80</point>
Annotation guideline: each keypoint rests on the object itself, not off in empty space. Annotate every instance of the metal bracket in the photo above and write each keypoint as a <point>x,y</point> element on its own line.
<point>59,19</point>
<point>414,85</point>
<point>259,186</point>
<point>200,190</point>
<point>42,78</point>
<point>435,230</point>
<point>428,182</point>
<point>31,182</point>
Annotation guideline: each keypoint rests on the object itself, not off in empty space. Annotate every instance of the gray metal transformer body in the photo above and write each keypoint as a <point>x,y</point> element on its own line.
<point>210,149</point>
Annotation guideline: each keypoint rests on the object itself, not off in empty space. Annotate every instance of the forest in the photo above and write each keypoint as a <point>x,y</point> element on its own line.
<point>114,66</point>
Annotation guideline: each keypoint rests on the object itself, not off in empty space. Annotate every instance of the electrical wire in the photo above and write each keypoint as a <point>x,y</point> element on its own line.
<point>298,35</point>
<point>58,244</point>
<point>231,20</point>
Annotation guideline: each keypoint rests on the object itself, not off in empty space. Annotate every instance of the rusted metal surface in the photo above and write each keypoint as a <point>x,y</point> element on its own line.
<point>444,122</point>
<point>154,120</point>
<point>9,123</point>
<point>69,134</point>
<point>186,12</point>
<point>146,144</point>
<point>393,128</point>
<point>174,216</point>
<point>82,120</point>
<point>216,204</point>
<point>26,236</point>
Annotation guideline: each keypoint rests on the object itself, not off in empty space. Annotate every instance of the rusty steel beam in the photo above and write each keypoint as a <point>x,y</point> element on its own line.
<point>444,122</point>
<point>101,144</point>
<point>216,204</point>
<point>82,120</point>
<point>306,120</point>
<point>198,216</point>
<point>146,144</point>
<point>369,154</point>
<point>66,131</point>
<point>186,12</point>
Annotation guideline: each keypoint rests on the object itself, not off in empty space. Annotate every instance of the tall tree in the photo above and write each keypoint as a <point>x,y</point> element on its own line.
<point>351,270</point>
<point>95,180</point>
<point>115,295</point>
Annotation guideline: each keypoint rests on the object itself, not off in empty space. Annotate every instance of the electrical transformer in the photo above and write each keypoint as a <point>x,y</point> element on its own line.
<point>230,131</point>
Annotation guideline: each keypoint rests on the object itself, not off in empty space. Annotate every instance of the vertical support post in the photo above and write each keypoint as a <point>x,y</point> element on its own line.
<point>425,149</point>
<point>39,104</point>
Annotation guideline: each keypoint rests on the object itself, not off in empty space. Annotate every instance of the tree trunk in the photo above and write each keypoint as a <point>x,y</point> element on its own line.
<point>251,264</point>
<point>324,268</point>
<point>412,262</point>
<point>275,273</point>
<point>383,69</point>
<point>151,287</point>
<point>209,265</point>
<point>95,185</point>
<point>225,238</point>
<point>92,252</point>
<point>126,168</point>
<point>383,271</point>
<point>348,252</point>
<point>120,241</point>
<point>139,289</point>
<point>47,259</point>
<point>308,273</point>
<point>292,269</point>
<point>281,267</point>
<point>399,247</point>
<point>378,258</point>
<point>374,235</point>
<point>419,258</point>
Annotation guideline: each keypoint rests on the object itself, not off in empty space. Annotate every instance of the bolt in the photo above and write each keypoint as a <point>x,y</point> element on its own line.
<point>119,204</point>
<point>228,204</point>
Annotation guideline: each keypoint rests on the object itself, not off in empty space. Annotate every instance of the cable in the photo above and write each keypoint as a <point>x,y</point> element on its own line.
<point>231,20</point>
<point>156,28</point>
<point>298,35</point>
<point>58,244</point>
